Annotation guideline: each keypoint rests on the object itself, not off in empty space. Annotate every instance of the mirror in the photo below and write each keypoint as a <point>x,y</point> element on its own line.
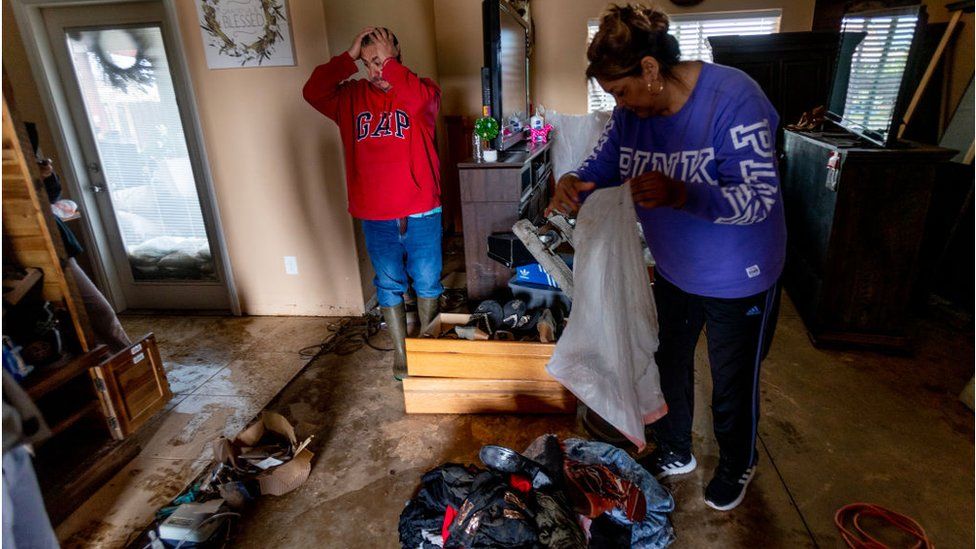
<point>870,92</point>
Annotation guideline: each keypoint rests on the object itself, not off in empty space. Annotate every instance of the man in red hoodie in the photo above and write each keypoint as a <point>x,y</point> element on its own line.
<point>392,171</point>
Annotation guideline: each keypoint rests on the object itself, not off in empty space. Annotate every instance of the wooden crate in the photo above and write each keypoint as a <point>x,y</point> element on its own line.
<point>457,376</point>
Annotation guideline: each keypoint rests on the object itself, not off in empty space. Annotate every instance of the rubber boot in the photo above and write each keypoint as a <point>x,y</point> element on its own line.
<point>396,323</point>
<point>427,310</point>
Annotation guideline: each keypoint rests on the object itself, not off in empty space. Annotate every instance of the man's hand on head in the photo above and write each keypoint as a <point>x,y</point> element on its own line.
<point>385,49</point>
<point>357,43</point>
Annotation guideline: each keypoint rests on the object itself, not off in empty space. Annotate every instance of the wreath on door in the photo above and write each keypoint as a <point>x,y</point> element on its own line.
<point>262,48</point>
<point>140,72</point>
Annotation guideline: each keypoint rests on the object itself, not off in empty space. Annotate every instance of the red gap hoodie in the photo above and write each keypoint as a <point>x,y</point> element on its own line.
<point>392,169</point>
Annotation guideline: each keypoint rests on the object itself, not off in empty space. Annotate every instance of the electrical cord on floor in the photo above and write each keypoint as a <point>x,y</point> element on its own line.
<point>154,537</point>
<point>347,336</point>
<point>850,516</point>
<point>206,520</point>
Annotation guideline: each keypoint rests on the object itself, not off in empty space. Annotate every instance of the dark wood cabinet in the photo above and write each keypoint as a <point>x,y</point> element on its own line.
<point>794,69</point>
<point>494,195</point>
<point>855,217</point>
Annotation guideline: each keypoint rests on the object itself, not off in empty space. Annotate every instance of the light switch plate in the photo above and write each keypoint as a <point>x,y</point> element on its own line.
<point>291,265</point>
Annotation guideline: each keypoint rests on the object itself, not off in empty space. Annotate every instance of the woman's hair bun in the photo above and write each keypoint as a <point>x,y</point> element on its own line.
<point>627,33</point>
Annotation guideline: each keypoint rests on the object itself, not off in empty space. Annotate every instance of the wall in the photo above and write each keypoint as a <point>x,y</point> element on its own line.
<point>411,20</point>
<point>277,166</point>
<point>460,55</point>
<point>559,60</point>
<point>277,169</point>
<point>28,103</point>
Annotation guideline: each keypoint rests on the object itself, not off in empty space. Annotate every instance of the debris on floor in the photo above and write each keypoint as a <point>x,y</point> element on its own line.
<point>557,494</point>
<point>263,459</point>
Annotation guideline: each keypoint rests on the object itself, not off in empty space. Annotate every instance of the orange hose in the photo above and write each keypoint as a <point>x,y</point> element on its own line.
<point>859,538</point>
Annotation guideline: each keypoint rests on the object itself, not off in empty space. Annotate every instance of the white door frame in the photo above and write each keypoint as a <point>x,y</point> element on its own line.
<point>44,69</point>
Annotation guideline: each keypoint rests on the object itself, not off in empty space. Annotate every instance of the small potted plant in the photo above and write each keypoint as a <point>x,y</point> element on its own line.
<point>485,129</point>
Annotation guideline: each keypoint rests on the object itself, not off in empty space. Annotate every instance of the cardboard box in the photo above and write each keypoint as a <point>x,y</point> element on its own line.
<point>278,475</point>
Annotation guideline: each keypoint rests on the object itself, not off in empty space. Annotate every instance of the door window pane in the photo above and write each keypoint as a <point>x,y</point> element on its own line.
<point>131,106</point>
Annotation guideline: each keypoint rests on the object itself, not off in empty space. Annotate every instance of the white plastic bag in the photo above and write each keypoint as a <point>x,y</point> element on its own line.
<point>606,354</point>
<point>576,136</point>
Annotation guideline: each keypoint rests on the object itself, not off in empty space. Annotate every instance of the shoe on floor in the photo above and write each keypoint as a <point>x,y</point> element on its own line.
<point>665,462</point>
<point>492,311</point>
<point>546,326</point>
<point>728,487</point>
<point>514,315</point>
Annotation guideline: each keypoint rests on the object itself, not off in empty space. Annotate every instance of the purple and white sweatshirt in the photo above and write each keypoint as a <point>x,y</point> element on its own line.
<point>729,240</point>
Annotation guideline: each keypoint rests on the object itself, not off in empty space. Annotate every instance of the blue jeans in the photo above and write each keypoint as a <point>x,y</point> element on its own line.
<point>25,522</point>
<point>416,253</point>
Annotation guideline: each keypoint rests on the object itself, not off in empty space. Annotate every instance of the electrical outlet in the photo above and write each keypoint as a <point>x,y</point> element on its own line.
<point>291,265</point>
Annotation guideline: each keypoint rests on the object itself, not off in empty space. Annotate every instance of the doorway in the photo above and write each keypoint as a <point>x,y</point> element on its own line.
<point>139,163</point>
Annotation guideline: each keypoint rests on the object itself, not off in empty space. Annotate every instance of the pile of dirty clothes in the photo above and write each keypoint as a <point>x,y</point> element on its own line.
<point>556,494</point>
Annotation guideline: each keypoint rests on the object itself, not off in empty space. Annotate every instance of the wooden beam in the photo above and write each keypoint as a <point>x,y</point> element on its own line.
<point>485,396</point>
<point>453,358</point>
<point>936,57</point>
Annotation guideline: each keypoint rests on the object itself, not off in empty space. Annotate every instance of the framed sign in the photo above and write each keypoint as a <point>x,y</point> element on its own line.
<point>245,33</point>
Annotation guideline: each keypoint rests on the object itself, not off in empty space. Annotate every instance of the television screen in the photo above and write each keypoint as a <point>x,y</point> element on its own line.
<point>506,74</point>
<point>513,65</point>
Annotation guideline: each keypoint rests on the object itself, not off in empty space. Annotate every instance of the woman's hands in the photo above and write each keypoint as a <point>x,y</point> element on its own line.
<point>649,190</point>
<point>655,189</point>
<point>566,199</point>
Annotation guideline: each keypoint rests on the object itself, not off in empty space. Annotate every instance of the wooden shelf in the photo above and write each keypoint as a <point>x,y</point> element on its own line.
<point>79,414</point>
<point>15,289</point>
<point>50,377</point>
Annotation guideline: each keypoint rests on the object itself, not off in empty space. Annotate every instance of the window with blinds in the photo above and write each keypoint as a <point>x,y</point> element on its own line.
<point>692,32</point>
<point>877,67</point>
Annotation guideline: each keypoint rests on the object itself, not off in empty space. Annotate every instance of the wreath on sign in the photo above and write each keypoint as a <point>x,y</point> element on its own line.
<point>262,48</point>
<point>139,73</point>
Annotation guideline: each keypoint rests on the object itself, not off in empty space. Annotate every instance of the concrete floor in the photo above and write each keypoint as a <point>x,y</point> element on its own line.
<point>837,427</point>
<point>222,371</point>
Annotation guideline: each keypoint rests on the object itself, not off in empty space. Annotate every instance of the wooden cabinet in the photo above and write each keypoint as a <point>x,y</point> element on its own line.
<point>794,69</point>
<point>855,218</point>
<point>494,195</point>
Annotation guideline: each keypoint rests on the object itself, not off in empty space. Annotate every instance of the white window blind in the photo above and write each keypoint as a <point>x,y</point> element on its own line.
<point>692,32</point>
<point>877,67</point>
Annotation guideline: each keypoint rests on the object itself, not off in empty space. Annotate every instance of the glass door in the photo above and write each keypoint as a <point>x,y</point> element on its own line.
<point>115,67</point>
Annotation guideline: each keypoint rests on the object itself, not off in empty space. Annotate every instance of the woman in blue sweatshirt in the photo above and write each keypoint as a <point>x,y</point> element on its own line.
<point>695,142</point>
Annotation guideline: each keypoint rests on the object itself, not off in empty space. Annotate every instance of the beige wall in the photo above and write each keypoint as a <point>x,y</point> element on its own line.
<point>277,169</point>
<point>559,60</point>
<point>28,102</point>
<point>460,55</point>
<point>411,20</point>
<point>276,165</point>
